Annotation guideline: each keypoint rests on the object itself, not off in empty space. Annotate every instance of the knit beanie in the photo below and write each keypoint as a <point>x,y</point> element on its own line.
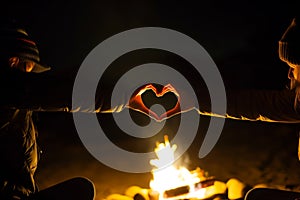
<point>289,44</point>
<point>15,42</point>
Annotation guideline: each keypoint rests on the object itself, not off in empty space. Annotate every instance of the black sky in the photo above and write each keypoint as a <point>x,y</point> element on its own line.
<point>241,36</point>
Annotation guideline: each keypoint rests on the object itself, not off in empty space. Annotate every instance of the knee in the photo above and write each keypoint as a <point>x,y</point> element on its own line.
<point>85,186</point>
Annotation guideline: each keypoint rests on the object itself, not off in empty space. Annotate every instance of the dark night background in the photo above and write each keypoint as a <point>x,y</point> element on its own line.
<point>241,37</point>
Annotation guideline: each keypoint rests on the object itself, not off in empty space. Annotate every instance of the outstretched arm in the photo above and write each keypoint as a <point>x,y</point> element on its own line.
<point>258,105</point>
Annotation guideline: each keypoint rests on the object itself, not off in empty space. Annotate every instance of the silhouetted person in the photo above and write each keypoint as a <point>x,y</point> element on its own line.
<point>19,151</point>
<point>269,105</point>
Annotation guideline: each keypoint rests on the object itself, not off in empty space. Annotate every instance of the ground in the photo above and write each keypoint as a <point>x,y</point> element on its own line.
<point>253,152</point>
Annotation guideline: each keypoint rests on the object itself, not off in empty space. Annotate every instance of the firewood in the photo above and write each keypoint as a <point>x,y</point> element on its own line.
<point>186,189</point>
<point>176,191</point>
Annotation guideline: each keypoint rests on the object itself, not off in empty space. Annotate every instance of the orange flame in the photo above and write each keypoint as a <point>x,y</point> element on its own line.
<point>167,177</point>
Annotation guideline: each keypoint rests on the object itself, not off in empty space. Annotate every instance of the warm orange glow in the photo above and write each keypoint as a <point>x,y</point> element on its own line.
<point>136,102</point>
<point>170,182</point>
<point>166,176</point>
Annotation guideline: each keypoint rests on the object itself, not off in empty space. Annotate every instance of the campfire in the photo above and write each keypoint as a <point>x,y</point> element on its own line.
<point>174,182</point>
<point>171,182</point>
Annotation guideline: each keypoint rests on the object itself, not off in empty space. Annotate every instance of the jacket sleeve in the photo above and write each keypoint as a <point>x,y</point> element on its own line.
<point>19,154</point>
<point>49,93</point>
<point>258,105</point>
<point>34,92</point>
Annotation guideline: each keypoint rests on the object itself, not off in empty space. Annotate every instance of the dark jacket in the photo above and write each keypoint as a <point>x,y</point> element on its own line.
<point>18,153</point>
<point>23,95</point>
<point>259,105</point>
<point>18,144</point>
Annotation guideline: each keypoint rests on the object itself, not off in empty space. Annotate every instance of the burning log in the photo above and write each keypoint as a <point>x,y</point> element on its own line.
<point>176,183</point>
<point>205,183</point>
<point>177,191</point>
<point>186,189</point>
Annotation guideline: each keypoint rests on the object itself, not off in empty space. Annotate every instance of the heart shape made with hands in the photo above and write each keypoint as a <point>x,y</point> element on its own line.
<point>137,103</point>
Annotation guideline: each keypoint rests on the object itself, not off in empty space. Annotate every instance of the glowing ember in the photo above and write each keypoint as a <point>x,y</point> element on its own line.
<point>173,182</point>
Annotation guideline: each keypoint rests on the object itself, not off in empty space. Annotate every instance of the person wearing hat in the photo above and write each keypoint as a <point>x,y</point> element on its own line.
<point>281,106</point>
<point>19,151</point>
